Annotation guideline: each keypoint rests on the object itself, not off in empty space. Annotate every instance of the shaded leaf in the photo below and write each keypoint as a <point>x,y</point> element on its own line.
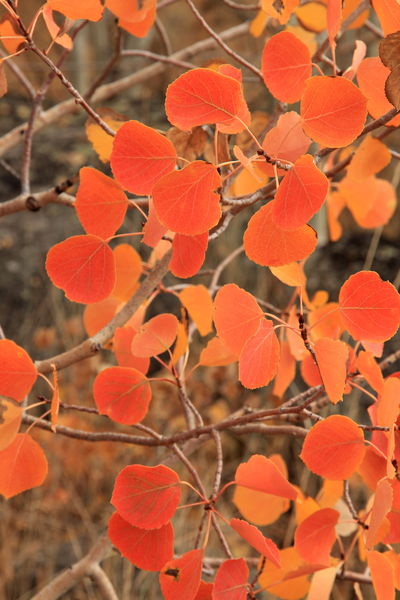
<point>197,301</point>
<point>255,538</point>
<point>98,314</point>
<point>216,354</point>
<point>382,505</point>
<point>332,356</point>
<point>10,421</point>
<point>371,77</point>
<point>287,139</point>
<point>122,343</point>
<point>155,336</point>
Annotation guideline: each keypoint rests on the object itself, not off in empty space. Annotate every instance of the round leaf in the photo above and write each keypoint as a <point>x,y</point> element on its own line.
<point>23,466</point>
<point>155,336</point>
<point>17,371</point>
<point>180,578</point>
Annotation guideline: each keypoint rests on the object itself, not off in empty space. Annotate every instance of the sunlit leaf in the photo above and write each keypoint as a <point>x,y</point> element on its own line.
<point>197,301</point>
<point>261,474</point>
<point>92,10</point>
<point>382,574</point>
<point>146,497</point>
<point>334,447</point>
<point>188,254</point>
<point>255,538</point>
<point>388,405</point>
<point>332,356</point>
<point>122,343</point>
<point>101,141</point>
<point>155,336</point>
<point>231,580</point>
<point>98,314</point>
<point>316,535</point>
<point>382,505</point>
<point>370,370</point>
<point>180,577</point>
<point>17,371</point>
<point>286,370</point>
<point>322,583</point>
<point>371,156</point>
<point>259,358</point>
<point>287,139</point>
<point>388,13</point>
<point>273,579</point>
<point>23,466</point>
<point>83,267</point>
<point>325,321</point>
<point>216,354</point>
<point>10,421</point>
<point>128,268</point>
<point>371,77</point>
<point>140,28</point>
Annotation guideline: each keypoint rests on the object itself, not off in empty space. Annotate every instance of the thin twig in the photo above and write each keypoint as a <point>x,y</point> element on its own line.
<point>20,75</point>
<point>163,36</point>
<point>159,58</point>
<point>219,462</point>
<point>103,583</point>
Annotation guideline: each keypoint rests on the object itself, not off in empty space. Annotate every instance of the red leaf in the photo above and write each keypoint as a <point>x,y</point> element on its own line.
<point>185,200</point>
<point>147,549</point>
<point>140,157</point>
<point>269,246</point>
<point>300,195</point>
<point>237,316</point>
<point>17,371</point>
<point>334,448</point>
<point>316,535</point>
<point>84,267</point>
<point>255,538</point>
<point>261,474</point>
<point>203,96</point>
<point>146,497</point>
<point>152,230</point>
<point>231,580</point>
<point>123,394</point>
<point>205,591</point>
<point>122,343</point>
<point>100,203</point>
<point>23,466</point>
<point>286,65</point>
<point>333,111</point>
<point>180,578</point>
<point>332,356</point>
<point>259,358</point>
<point>370,307</point>
<point>188,254</point>
<point>155,336</point>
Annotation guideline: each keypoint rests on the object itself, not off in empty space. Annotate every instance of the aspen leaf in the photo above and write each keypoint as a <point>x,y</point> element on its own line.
<point>188,254</point>
<point>247,182</point>
<point>123,394</point>
<point>316,535</point>
<point>155,336</point>
<point>188,144</point>
<point>334,448</point>
<point>273,579</point>
<point>130,11</point>
<point>371,76</point>
<point>382,574</point>
<point>197,301</point>
<point>370,307</point>
<point>332,356</point>
<point>270,246</point>
<point>322,583</point>
<point>101,141</point>
<point>146,497</point>
<point>334,20</point>
<point>140,157</point>
<point>140,28</point>
<point>92,10</point>
<point>83,267</point>
<point>231,580</point>
<point>259,358</point>
<point>186,201</point>
<point>312,16</point>
<point>255,538</point>
<point>128,269</point>
<point>122,343</point>
<point>237,316</point>
<point>372,468</point>
<point>371,156</point>
<point>98,314</point>
<point>147,549</point>
<point>281,12</point>
<point>388,13</point>
<point>372,201</point>
<point>182,342</point>
<point>300,195</point>
<point>17,371</point>
<point>390,55</point>
<point>202,96</point>
<point>394,559</point>
<point>56,32</point>
<point>180,577</point>
<point>205,591</point>
<point>358,55</point>
<point>152,230</point>
<point>216,354</point>
<point>100,203</point>
<point>335,203</point>
<point>370,370</point>
<point>10,421</point>
<point>10,36</point>
<point>243,116</point>
<point>55,400</point>
<point>287,139</point>
<point>388,405</point>
<point>23,466</point>
<point>261,474</point>
<point>380,508</point>
<point>286,65</point>
<point>325,321</point>
<point>286,370</point>
<point>333,111</point>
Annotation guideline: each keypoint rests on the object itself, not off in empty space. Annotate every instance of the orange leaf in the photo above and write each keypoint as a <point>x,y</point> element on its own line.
<point>185,200</point>
<point>122,343</point>
<point>17,371</point>
<point>300,194</point>
<point>155,336</point>
<point>10,421</point>
<point>371,77</point>
<point>140,28</point>
<point>334,19</point>
<point>286,370</point>
<point>322,583</point>
<point>370,307</point>
<point>152,230</point>
<point>388,13</point>
<point>100,203</point>
<point>10,35</point>
<point>279,12</point>
<point>128,269</point>
<point>236,316</point>
<point>325,321</point>
<point>287,139</point>
<point>216,354</point>
<point>312,16</point>
<point>332,356</point>
<point>147,549</point>
<point>261,474</point>
<point>203,96</point>
<point>382,505</point>
<point>388,405</point>
<point>243,116</point>
<point>334,448</point>
<point>255,538</point>
<point>23,466</point>
<point>372,468</point>
<point>123,394</point>
<point>273,579</point>
<point>370,370</point>
<point>286,65</point>
<point>197,301</point>
<point>132,11</point>
<point>259,358</point>
<point>101,141</point>
<point>231,580</point>
<point>56,32</point>
<point>370,157</point>
<point>333,111</point>
<point>83,266</point>
<point>98,314</point>
<point>92,10</point>
<point>188,254</point>
<point>382,574</point>
<point>269,246</point>
<point>146,497</point>
<point>372,201</point>
<point>180,577</point>
<point>140,157</point>
<point>205,591</point>
<point>309,371</point>
<point>316,535</point>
